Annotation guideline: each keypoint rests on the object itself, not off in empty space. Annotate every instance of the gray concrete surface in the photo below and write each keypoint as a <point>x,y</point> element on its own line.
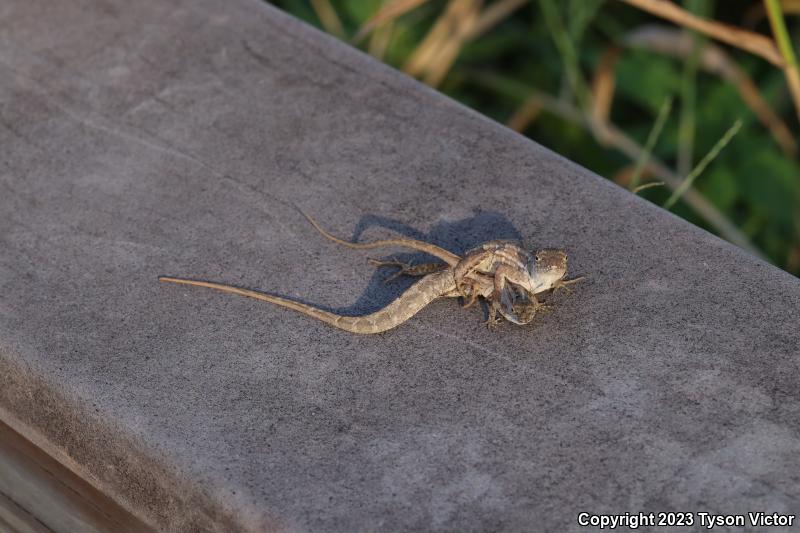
<point>146,138</point>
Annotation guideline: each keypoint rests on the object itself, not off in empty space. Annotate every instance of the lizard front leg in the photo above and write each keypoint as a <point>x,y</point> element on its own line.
<point>565,284</point>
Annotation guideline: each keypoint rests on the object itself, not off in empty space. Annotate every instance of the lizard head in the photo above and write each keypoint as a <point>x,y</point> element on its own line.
<point>547,269</point>
<point>516,305</point>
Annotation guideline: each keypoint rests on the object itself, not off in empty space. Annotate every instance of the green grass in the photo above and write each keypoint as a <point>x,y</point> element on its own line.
<point>555,47</point>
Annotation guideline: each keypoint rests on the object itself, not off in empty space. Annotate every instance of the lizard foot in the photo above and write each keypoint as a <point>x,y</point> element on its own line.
<point>494,320</point>
<point>565,284</point>
<point>469,293</point>
<point>404,267</point>
<point>493,323</point>
<point>470,300</point>
<point>524,314</point>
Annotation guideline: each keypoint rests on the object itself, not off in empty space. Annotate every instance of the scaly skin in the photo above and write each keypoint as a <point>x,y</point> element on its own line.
<point>419,295</point>
<point>448,257</point>
<point>508,264</point>
<point>504,261</point>
<point>500,271</point>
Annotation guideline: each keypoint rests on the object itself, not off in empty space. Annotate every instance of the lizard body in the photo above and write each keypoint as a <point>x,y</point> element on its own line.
<point>518,276</point>
<point>503,273</point>
<point>503,260</point>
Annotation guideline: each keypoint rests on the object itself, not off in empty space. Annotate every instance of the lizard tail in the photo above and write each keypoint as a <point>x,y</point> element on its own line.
<point>407,305</point>
<point>436,251</point>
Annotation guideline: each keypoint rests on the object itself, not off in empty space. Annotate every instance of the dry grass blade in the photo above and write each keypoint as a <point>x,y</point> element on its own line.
<point>525,115</point>
<point>387,13</point>
<point>461,22</point>
<point>754,43</point>
<point>451,46</point>
<point>430,45</point>
<point>379,42</point>
<point>640,188</point>
<point>439,49</point>
<point>676,43</point>
<point>603,84</point>
<point>328,17</point>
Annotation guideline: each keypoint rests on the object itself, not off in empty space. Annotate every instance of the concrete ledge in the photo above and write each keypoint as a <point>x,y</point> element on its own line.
<point>146,138</point>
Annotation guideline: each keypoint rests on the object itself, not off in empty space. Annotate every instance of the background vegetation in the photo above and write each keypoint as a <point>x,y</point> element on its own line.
<point>694,105</point>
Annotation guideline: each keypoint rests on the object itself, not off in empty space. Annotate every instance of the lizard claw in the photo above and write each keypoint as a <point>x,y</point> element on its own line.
<point>493,323</point>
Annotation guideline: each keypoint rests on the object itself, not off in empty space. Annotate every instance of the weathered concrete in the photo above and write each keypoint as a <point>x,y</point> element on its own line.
<point>149,137</point>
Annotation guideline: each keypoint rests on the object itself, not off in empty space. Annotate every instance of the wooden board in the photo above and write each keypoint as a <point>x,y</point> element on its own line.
<point>38,494</point>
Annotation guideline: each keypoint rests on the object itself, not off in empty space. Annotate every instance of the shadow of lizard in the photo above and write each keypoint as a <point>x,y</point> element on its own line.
<point>456,236</point>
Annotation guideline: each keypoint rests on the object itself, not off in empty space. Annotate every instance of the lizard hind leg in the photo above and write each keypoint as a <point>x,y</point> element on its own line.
<point>473,287</point>
<point>407,269</point>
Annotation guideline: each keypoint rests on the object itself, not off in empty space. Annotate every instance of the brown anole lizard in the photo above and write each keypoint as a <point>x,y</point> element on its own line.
<point>500,271</point>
